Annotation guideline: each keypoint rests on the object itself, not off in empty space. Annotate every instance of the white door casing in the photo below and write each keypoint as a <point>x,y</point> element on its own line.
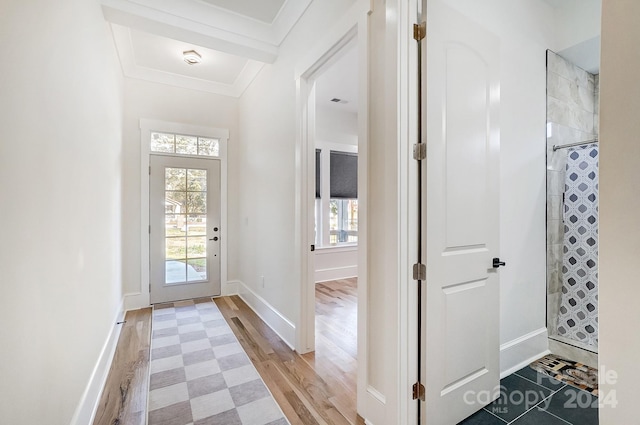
<point>461,318</point>
<point>189,272</point>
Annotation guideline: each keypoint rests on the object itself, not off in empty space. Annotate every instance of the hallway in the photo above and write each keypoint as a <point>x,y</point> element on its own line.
<point>198,373</point>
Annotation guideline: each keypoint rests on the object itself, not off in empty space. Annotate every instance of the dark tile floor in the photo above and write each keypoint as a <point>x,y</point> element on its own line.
<point>531,398</point>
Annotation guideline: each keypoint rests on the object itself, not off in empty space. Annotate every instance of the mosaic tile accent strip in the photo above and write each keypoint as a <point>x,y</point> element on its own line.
<point>578,317</point>
<point>572,373</point>
<point>200,374</point>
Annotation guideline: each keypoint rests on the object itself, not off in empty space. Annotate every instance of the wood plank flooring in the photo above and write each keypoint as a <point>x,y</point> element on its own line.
<point>312,389</point>
<point>124,399</point>
<point>336,342</point>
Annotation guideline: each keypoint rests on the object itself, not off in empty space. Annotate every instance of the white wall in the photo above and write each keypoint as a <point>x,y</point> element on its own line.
<point>575,22</point>
<point>167,103</point>
<point>336,126</point>
<point>266,169</point>
<point>60,168</point>
<point>619,345</point>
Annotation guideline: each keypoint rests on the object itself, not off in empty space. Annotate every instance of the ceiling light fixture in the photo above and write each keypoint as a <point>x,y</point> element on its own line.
<point>191,57</point>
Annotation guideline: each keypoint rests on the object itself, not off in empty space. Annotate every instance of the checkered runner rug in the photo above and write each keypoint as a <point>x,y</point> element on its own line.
<point>200,374</point>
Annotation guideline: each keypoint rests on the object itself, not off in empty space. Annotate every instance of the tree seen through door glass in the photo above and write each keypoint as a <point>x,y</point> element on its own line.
<point>185,225</point>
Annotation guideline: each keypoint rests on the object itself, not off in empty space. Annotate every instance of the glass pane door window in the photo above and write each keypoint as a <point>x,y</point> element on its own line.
<point>343,221</point>
<point>185,225</point>
<point>184,233</point>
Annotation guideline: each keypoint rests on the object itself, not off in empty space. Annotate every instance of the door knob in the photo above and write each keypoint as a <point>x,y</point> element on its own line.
<point>215,238</point>
<point>497,263</point>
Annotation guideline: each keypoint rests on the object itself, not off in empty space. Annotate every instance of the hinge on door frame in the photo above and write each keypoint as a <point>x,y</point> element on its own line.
<point>149,229</point>
<point>149,287</point>
<point>420,151</point>
<point>149,169</point>
<point>419,272</point>
<point>418,391</point>
<point>419,31</point>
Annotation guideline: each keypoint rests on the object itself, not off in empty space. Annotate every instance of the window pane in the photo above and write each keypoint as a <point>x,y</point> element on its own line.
<point>197,269</point>
<point>208,147</point>
<point>175,202</point>
<point>186,145</point>
<point>196,202</point>
<point>197,225</point>
<point>176,248</point>
<point>162,142</point>
<point>175,272</point>
<point>174,224</point>
<point>175,178</point>
<point>196,247</point>
<point>197,180</point>
<point>343,221</point>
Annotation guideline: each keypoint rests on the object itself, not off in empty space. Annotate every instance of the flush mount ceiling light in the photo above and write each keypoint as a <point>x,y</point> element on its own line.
<point>191,57</point>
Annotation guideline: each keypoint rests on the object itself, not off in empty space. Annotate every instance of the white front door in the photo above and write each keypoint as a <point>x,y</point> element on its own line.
<point>184,213</point>
<point>461,334</point>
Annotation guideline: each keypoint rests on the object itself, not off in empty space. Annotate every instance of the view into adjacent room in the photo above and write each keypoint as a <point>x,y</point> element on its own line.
<point>336,228</point>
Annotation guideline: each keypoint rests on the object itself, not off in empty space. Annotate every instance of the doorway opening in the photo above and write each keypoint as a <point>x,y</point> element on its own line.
<point>183,194</point>
<point>332,176</point>
<point>335,227</point>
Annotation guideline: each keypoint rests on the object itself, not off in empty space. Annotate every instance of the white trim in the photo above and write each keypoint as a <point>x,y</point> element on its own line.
<point>89,402</point>
<point>206,25</point>
<point>406,89</point>
<point>519,352</point>
<point>351,28</point>
<point>335,273</point>
<point>230,287</point>
<point>140,298</point>
<point>376,395</point>
<point>522,364</point>
<point>197,24</point>
<point>282,326</point>
<point>126,53</point>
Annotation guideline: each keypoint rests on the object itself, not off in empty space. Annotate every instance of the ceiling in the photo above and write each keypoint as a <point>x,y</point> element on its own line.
<point>340,80</point>
<point>263,10</point>
<point>235,38</point>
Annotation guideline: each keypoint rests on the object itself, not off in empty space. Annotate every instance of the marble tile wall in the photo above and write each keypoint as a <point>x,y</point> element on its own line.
<point>572,116</point>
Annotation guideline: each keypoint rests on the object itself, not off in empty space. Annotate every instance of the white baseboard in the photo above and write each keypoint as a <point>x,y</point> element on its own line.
<point>518,353</point>
<point>230,288</point>
<point>282,326</point>
<point>86,410</point>
<point>325,275</point>
<point>135,301</point>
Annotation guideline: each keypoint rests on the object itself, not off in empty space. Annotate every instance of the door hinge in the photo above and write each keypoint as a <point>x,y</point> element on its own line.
<point>420,151</point>
<point>149,169</point>
<point>419,272</point>
<point>149,287</point>
<point>418,391</point>
<point>149,229</point>
<point>419,31</point>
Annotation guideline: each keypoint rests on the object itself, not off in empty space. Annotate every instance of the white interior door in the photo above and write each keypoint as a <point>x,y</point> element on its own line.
<point>184,214</point>
<point>461,328</point>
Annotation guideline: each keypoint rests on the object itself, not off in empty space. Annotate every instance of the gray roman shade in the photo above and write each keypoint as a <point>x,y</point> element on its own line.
<point>318,173</point>
<point>343,175</point>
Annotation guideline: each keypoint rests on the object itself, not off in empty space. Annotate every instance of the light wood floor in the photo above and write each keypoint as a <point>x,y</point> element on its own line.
<point>336,342</point>
<point>316,388</point>
<point>124,398</point>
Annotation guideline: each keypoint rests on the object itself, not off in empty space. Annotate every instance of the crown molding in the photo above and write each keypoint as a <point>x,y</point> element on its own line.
<point>126,54</point>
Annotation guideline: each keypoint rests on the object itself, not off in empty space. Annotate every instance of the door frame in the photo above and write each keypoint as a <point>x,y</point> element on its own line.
<point>142,298</point>
<point>352,28</point>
